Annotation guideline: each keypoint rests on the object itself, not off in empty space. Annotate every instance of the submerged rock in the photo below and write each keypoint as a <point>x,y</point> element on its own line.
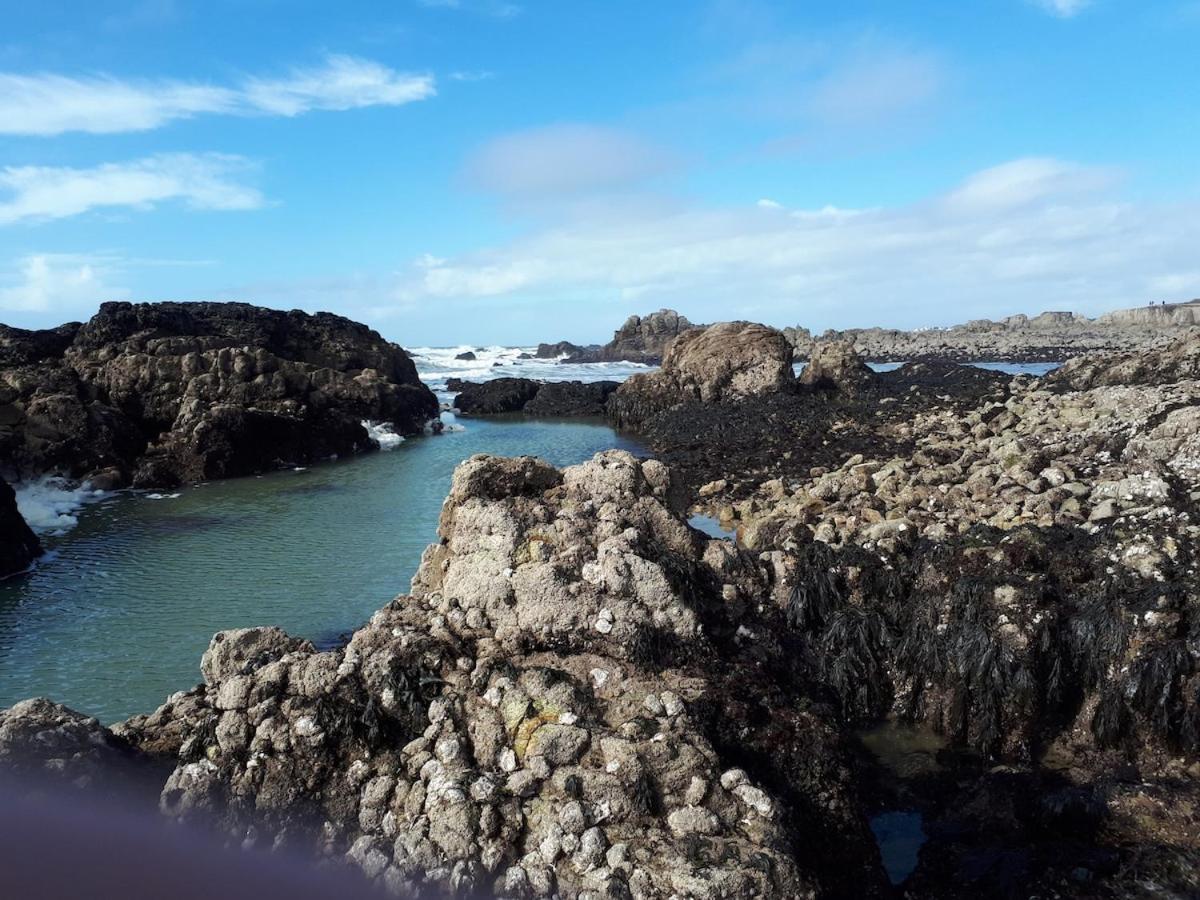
<point>19,546</point>
<point>167,393</point>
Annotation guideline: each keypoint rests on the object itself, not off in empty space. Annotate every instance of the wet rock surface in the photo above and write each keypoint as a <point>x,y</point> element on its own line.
<point>160,394</point>
<point>534,398</point>
<point>19,546</point>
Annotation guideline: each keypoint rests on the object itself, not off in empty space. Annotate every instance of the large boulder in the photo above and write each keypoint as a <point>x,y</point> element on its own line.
<point>725,362</point>
<point>835,365</point>
<point>166,393</point>
<point>19,546</point>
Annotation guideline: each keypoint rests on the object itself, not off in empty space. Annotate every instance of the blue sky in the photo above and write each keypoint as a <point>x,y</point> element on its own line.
<point>492,171</point>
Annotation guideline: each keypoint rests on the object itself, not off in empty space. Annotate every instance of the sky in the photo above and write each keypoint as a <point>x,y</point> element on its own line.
<point>512,171</point>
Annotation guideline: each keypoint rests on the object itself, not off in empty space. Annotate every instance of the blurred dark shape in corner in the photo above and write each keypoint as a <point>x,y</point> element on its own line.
<point>58,843</point>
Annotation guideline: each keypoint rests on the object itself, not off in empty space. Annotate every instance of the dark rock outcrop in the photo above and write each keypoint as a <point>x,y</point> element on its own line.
<point>167,393</point>
<point>642,339</point>
<point>725,362</point>
<point>500,395</point>
<point>562,348</point>
<point>19,546</point>
<point>571,398</point>
<point>468,356</point>
<point>534,398</point>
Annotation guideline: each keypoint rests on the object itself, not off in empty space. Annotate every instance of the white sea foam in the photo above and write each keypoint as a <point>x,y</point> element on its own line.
<point>383,434</point>
<point>49,504</point>
<point>163,496</point>
<point>436,365</point>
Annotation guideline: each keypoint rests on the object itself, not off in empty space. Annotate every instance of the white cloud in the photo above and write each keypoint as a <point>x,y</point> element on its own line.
<point>1025,181</point>
<point>561,160</point>
<point>1062,242</point>
<point>46,282</point>
<point>344,82</point>
<point>204,181</point>
<point>48,104</point>
<point>1064,9</point>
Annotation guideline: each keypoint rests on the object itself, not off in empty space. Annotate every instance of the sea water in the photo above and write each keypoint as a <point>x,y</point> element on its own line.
<point>116,616</point>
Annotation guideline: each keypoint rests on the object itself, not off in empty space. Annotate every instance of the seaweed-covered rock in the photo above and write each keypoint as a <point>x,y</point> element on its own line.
<point>534,398</point>
<point>500,395</point>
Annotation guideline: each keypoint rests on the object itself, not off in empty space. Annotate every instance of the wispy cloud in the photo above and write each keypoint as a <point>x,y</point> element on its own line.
<point>45,282</point>
<point>500,9</point>
<point>50,104</point>
<point>1061,240</point>
<point>1025,181</point>
<point>1064,9</point>
<point>201,181</point>
<point>564,161</point>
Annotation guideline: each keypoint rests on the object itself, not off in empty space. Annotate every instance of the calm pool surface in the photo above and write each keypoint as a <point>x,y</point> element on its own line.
<point>116,618</point>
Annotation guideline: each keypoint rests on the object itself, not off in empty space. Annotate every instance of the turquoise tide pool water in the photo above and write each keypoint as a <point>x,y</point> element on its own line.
<point>116,618</point>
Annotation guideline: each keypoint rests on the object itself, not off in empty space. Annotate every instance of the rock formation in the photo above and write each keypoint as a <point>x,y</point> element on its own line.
<point>642,339</point>
<point>167,393</point>
<point>535,398</point>
<point>19,547</point>
<point>725,362</point>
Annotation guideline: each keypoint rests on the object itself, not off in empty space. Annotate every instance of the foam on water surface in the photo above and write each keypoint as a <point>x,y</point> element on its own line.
<point>383,434</point>
<point>49,504</point>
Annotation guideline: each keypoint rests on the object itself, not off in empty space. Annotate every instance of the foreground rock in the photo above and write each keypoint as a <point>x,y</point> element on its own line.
<point>572,703</point>
<point>19,547</point>
<point>534,398</point>
<point>166,393</point>
<point>721,363</point>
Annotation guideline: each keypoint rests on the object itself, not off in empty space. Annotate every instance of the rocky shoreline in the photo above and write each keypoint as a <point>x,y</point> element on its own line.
<point>1049,337</point>
<point>582,696</point>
